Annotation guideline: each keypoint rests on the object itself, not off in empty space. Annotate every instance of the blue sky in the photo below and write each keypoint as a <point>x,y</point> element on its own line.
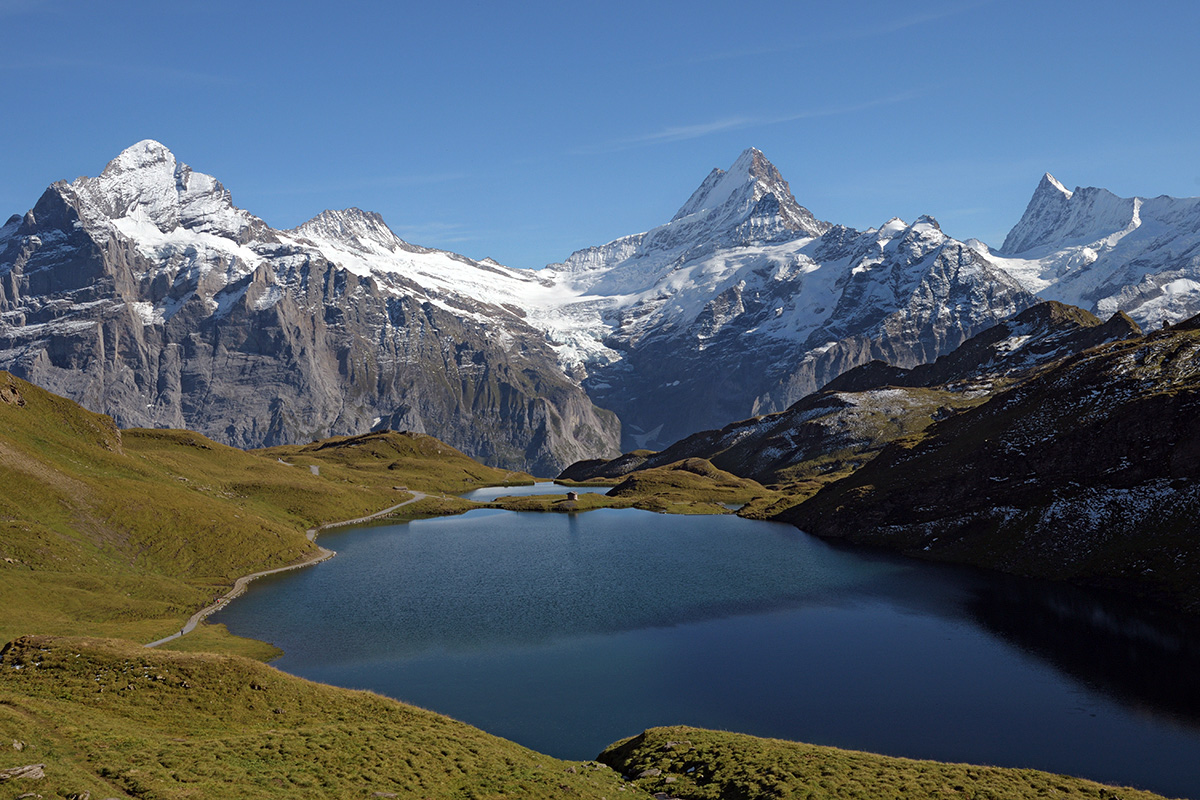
<point>526,131</point>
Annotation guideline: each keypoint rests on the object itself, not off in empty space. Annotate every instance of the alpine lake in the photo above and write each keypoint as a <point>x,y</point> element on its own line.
<point>566,632</point>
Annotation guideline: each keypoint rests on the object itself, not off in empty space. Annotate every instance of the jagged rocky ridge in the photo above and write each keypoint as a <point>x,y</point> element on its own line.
<point>144,293</point>
<point>1105,253</point>
<point>830,433</point>
<point>1086,471</point>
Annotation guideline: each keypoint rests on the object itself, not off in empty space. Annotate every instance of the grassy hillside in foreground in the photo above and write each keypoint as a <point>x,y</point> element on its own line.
<point>126,533</point>
<point>117,720</point>
<point>695,764</point>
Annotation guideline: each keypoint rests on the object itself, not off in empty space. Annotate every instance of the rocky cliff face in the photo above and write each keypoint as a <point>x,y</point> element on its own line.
<point>146,294</point>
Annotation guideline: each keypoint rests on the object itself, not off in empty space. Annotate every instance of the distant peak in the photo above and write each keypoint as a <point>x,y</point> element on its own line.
<point>347,215</point>
<point>1056,217</point>
<point>350,226</point>
<point>1051,184</point>
<point>732,195</point>
<point>146,153</point>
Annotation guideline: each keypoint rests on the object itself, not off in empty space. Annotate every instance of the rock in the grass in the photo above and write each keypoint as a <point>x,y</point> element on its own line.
<point>31,771</point>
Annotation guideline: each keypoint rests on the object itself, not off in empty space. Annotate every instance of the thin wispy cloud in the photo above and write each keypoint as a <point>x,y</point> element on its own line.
<point>399,181</point>
<point>889,26</point>
<point>442,232</point>
<point>678,133</point>
<point>141,73</point>
<point>874,28</point>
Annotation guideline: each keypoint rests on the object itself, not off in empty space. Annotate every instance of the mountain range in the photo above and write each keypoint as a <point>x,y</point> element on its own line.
<point>146,294</point>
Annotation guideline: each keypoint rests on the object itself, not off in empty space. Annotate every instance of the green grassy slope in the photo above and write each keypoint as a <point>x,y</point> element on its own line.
<point>385,459</point>
<point>117,720</point>
<point>690,482</point>
<point>126,533</point>
<point>689,486</point>
<point>694,764</point>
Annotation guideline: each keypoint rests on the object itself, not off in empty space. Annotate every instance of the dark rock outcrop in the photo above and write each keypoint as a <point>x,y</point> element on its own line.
<point>1086,471</point>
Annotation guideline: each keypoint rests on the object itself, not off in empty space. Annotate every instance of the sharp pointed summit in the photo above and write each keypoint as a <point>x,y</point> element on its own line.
<point>740,193</point>
<point>1056,216</point>
<point>1105,253</point>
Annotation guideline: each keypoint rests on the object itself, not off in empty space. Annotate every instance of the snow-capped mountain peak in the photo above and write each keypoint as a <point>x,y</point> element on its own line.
<point>1050,184</point>
<point>142,179</point>
<point>260,336</point>
<point>1105,253</point>
<point>352,228</point>
<point>738,194</point>
<point>1056,216</point>
<point>143,154</point>
<point>748,205</point>
<point>146,185</point>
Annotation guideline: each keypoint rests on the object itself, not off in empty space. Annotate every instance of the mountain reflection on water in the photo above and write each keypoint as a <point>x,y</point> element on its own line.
<point>1140,656</point>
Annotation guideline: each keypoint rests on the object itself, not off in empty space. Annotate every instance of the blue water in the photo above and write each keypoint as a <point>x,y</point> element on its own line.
<point>567,632</point>
<point>489,493</point>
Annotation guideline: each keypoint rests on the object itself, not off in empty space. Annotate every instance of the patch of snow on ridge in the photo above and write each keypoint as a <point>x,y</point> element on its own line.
<point>272,295</point>
<point>146,313</point>
<point>1011,343</point>
<point>202,248</point>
